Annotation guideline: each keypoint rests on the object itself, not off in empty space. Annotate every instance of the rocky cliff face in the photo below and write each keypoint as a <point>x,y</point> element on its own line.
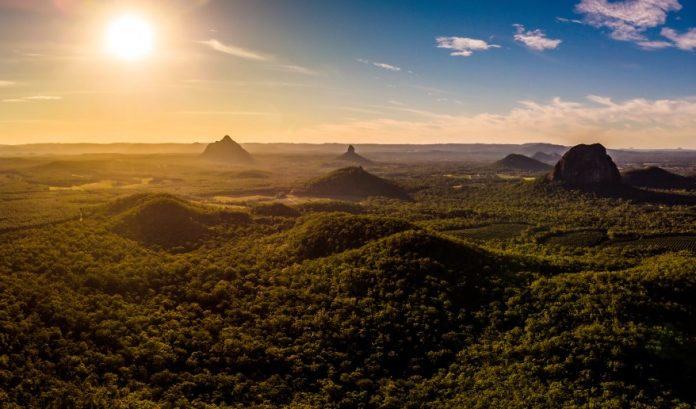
<point>585,165</point>
<point>226,151</point>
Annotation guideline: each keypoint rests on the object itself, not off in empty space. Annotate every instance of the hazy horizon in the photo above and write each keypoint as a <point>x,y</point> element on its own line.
<point>567,72</point>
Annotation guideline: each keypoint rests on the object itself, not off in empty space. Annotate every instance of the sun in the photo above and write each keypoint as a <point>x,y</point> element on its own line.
<point>130,38</point>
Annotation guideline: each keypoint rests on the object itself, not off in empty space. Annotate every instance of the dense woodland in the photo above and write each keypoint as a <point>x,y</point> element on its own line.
<point>212,287</point>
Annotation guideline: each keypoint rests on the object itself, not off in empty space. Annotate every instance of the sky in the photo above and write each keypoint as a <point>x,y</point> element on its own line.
<point>622,73</point>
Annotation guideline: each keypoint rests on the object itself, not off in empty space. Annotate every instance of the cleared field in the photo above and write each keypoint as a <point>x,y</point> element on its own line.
<point>670,243</point>
<point>499,231</point>
<point>582,238</point>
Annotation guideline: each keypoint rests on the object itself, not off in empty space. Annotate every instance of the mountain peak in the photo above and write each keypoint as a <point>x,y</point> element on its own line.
<point>586,165</point>
<point>351,156</point>
<point>521,162</point>
<point>354,182</point>
<point>228,151</point>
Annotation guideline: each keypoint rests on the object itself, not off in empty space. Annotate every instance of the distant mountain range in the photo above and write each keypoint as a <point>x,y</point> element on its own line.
<point>377,152</point>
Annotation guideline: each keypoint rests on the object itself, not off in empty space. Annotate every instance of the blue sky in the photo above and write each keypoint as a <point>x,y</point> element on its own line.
<point>402,33</point>
<point>621,72</point>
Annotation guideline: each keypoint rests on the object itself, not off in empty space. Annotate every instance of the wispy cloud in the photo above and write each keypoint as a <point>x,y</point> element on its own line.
<point>654,44</point>
<point>535,39</point>
<point>686,41</point>
<point>386,66</point>
<point>463,46</point>
<point>7,83</point>
<point>627,20</point>
<point>381,65</point>
<point>34,98</point>
<point>297,69</point>
<point>235,51</point>
<point>568,20</point>
<point>643,122</point>
<point>252,55</point>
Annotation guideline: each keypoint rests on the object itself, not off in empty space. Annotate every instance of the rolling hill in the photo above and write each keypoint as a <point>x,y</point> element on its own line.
<point>658,178</point>
<point>522,163</point>
<point>353,182</point>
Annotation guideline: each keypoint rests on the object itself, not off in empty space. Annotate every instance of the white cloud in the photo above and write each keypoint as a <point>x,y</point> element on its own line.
<point>686,41</point>
<point>381,65</point>
<point>568,20</point>
<point>654,44</point>
<point>385,66</point>
<point>6,83</point>
<point>627,20</point>
<point>600,100</point>
<point>234,50</point>
<point>635,122</point>
<point>34,98</point>
<point>535,39</point>
<point>463,46</point>
<point>43,98</point>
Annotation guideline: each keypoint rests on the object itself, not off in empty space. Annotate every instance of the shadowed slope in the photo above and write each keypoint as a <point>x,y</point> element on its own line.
<point>523,163</point>
<point>658,178</point>
<point>166,221</point>
<point>353,182</point>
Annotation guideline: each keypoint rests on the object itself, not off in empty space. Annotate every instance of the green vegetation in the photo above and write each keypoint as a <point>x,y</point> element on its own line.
<point>325,234</point>
<point>502,231</point>
<point>166,221</point>
<point>581,238</point>
<point>479,292</point>
<point>354,182</point>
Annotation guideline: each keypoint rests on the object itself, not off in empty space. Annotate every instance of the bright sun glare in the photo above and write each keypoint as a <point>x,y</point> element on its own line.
<point>130,38</point>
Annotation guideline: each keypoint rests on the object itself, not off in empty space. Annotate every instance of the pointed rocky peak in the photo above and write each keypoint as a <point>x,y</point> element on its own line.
<point>227,150</point>
<point>351,156</point>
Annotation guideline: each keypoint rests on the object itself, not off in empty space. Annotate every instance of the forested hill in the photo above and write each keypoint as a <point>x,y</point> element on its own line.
<point>323,309</point>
